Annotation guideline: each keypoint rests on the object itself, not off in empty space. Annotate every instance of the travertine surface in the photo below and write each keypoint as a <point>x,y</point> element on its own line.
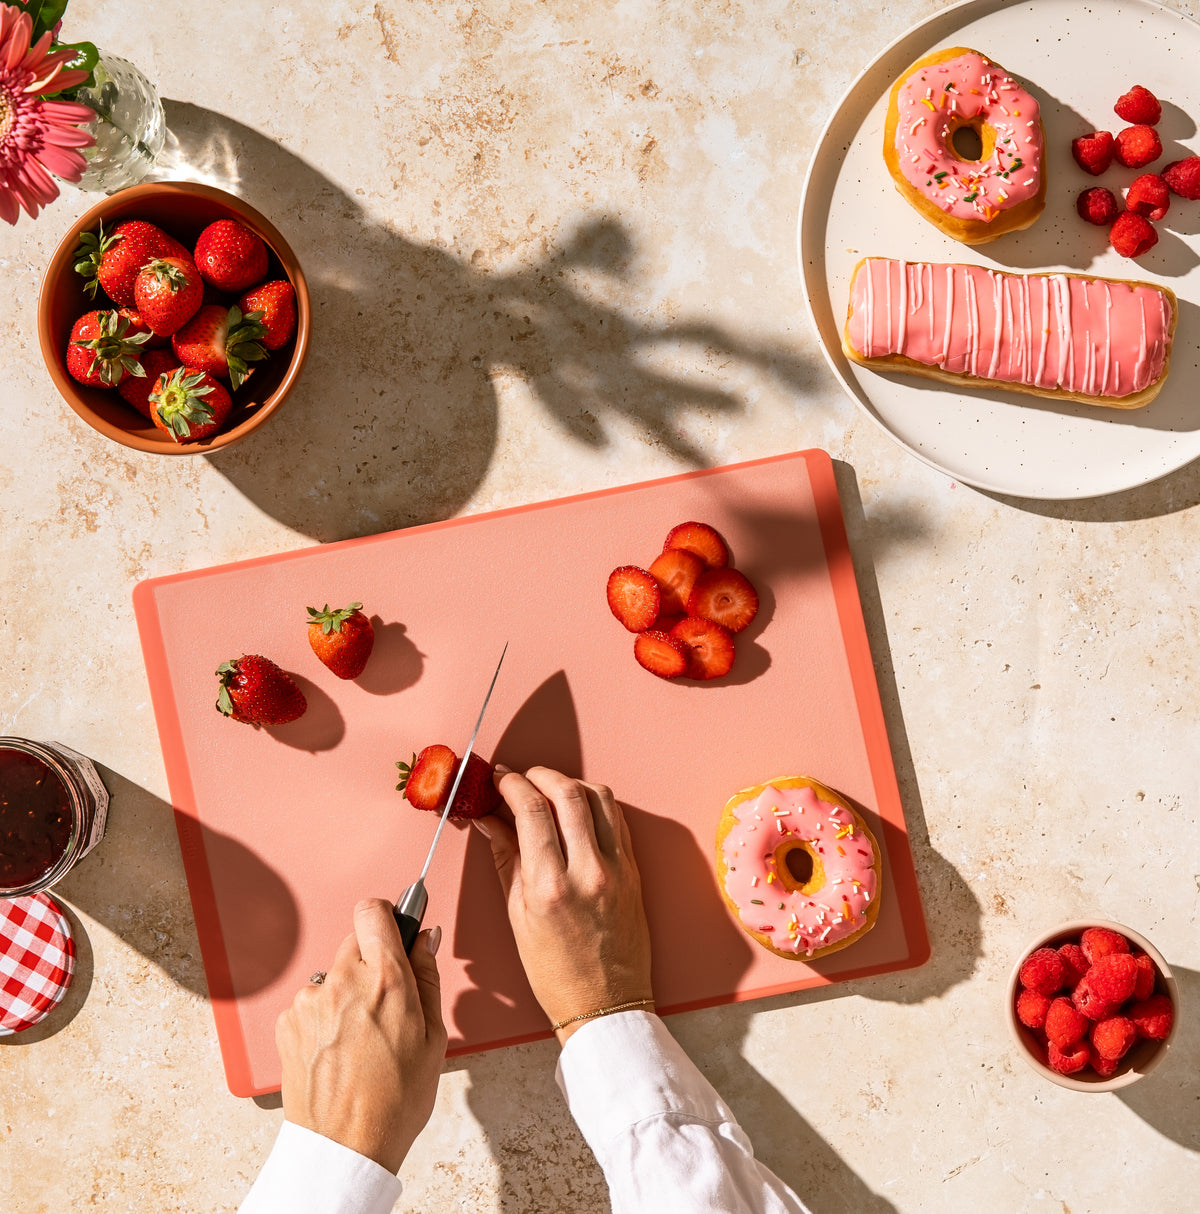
<point>551,248</point>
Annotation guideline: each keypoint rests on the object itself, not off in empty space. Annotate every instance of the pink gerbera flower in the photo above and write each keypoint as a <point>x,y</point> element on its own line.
<point>37,136</point>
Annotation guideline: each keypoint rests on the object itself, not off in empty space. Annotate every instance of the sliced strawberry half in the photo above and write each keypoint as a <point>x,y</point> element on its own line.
<point>710,647</point>
<point>676,571</point>
<point>633,597</point>
<point>661,654</point>
<point>425,779</point>
<point>724,596</point>
<point>700,539</point>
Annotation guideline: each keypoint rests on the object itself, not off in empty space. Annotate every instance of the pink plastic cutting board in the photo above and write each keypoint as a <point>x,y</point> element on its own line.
<point>283,829</point>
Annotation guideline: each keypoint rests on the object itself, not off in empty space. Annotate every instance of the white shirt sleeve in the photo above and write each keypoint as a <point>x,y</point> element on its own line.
<point>307,1173</point>
<point>663,1136</point>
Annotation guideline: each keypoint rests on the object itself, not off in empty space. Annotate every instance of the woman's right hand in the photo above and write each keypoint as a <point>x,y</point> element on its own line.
<point>573,893</point>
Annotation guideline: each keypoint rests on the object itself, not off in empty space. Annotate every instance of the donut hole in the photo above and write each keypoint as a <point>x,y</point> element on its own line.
<point>799,868</point>
<point>967,142</point>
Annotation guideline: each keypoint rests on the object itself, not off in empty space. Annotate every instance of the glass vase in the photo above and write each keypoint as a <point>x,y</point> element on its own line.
<point>129,127</point>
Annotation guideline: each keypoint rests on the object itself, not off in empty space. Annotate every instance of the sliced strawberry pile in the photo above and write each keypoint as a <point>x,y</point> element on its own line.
<point>1089,1001</point>
<point>686,606</point>
<point>1131,230</point>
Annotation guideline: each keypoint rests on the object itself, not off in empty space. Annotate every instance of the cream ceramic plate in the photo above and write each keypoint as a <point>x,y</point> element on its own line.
<point>1077,59</point>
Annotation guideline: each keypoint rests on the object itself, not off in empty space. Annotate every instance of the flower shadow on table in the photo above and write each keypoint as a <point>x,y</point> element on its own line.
<point>394,421</point>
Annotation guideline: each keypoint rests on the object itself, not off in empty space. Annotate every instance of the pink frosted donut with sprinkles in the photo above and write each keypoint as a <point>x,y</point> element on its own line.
<point>963,141</point>
<point>798,867</point>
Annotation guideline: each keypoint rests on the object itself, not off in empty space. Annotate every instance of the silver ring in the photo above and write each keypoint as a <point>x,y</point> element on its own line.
<point>317,978</point>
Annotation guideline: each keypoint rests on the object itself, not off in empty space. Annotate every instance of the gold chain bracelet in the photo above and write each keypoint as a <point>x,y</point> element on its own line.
<point>604,1011</point>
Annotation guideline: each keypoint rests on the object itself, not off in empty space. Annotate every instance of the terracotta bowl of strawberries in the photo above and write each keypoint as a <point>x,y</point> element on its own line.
<point>1092,1005</point>
<point>199,293</point>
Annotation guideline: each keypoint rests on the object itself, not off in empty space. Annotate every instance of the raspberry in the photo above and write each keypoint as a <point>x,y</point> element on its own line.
<point>1146,978</point>
<point>1042,971</point>
<point>1093,153</point>
<point>1183,177</point>
<point>1031,1009</point>
<point>1112,1037</point>
<point>1149,196</point>
<point>1139,105</point>
<point>1067,1062</point>
<point>1152,1017</point>
<point>1137,146</point>
<point>1105,1067</point>
<point>1097,942</point>
<point>1132,234</point>
<point>1111,979</point>
<point>1065,1024</point>
<point>1075,964</point>
<point>1097,206</point>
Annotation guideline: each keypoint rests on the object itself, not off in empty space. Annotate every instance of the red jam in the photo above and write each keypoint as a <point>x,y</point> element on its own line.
<point>35,819</point>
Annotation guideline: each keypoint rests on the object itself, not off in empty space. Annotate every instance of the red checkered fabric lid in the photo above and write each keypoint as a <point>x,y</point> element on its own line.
<point>37,958</point>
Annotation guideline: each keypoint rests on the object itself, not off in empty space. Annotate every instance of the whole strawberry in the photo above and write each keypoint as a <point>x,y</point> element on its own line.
<point>188,405</point>
<point>274,305</point>
<point>341,638</point>
<point>113,261</point>
<point>135,389</point>
<point>104,349</point>
<point>230,256</point>
<point>168,291</point>
<point>221,341</point>
<point>252,689</point>
<point>426,779</point>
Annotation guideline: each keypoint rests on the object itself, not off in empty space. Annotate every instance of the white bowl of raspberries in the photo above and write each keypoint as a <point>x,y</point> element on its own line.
<point>174,318</point>
<point>1092,1005</point>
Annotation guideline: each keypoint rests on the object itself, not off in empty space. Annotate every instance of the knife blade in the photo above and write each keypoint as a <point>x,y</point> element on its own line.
<point>409,909</point>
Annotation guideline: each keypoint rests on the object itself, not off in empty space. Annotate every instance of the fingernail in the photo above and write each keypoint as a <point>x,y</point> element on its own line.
<point>434,940</point>
<point>485,831</point>
<point>499,769</point>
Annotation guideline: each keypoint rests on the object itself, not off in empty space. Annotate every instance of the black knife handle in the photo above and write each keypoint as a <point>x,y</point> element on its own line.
<point>409,927</point>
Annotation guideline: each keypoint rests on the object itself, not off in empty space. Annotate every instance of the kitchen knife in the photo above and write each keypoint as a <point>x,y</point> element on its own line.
<point>410,909</point>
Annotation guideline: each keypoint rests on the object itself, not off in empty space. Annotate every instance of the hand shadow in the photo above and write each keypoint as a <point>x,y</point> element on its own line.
<point>408,340</point>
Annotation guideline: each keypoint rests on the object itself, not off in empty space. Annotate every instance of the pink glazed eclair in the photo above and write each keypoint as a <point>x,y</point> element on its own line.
<point>1100,341</point>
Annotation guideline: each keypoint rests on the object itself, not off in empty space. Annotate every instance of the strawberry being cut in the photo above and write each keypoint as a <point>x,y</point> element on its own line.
<point>700,539</point>
<point>710,647</point>
<point>168,292</point>
<point>113,261</point>
<point>633,597</point>
<point>426,779</point>
<point>342,638</point>
<point>104,349</point>
<point>675,570</point>
<point>230,256</point>
<point>188,405</point>
<point>661,653</point>
<point>252,689</point>
<point>274,306</point>
<point>221,341</point>
<point>724,596</point>
<point>135,389</point>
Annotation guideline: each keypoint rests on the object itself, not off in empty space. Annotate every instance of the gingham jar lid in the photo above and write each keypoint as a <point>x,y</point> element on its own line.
<point>37,958</point>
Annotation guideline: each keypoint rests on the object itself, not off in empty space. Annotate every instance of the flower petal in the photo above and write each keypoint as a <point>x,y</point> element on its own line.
<point>66,136</point>
<point>63,162</point>
<point>18,41</point>
<point>9,211</point>
<point>68,111</point>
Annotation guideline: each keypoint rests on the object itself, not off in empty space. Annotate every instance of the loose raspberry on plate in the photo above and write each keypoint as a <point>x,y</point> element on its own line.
<point>1112,1037</point>
<point>1097,205</point>
<point>1139,105</point>
<point>1093,153</point>
<point>1067,1062</point>
<point>1075,964</point>
<point>1132,234</point>
<point>1065,1023</point>
<point>1147,976</point>
<point>1042,971</point>
<point>1032,1007</point>
<point>661,654</point>
<point>1137,146</point>
<point>633,597</point>
<point>1183,177</point>
<point>1149,196</point>
<point>1097,942</point>
<point>1152,1017</point>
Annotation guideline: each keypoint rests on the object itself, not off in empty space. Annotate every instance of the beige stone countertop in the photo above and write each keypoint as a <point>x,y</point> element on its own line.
<point>624,178</point>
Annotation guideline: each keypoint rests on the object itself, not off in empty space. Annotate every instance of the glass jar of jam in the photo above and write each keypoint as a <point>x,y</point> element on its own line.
<point>53,809</point>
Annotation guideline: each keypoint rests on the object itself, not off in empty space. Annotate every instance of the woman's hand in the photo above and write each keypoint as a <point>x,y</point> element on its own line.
<point>362,1052</point>
<point>573,893</point>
